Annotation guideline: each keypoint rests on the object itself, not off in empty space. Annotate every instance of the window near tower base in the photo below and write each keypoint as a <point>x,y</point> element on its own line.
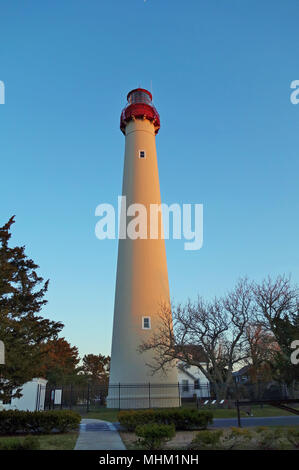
<point>185,384</point>
<point>141,153</point>
<point>146,323</point>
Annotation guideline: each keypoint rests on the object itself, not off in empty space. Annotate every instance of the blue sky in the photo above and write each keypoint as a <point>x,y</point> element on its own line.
<point>220,73</point>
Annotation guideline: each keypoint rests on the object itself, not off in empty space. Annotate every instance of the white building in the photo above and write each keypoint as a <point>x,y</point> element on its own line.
<point>33,397</point>
<point>2,353</point>
<point>192,382</point>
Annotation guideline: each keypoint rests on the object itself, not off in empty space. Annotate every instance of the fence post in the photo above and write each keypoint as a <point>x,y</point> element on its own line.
<point>179,390</point>
<point>71,396</point>
<point>52,398</point>
<point>237,403</point>
<point>88,397</point>
<point>238,411</point>
<point>38,397</point>
<point>149,394</point>
<point>119,396</point>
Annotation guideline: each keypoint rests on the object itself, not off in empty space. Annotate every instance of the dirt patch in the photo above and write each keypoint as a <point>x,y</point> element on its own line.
<point>180,441</point>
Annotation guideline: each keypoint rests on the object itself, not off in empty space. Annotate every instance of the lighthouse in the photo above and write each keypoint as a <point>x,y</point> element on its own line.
<point>142,278</point>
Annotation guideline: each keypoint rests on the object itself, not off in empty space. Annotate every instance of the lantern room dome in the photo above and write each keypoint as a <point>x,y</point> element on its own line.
<point>139,106</point>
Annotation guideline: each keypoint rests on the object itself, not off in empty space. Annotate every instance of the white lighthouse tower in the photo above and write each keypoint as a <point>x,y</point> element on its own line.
<point>142,279</point>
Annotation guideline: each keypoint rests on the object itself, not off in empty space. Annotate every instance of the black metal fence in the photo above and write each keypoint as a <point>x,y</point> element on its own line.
<point>92,397</point>
<point>123,396</point>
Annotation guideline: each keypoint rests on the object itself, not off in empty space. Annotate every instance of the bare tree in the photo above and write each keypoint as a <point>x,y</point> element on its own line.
<point>217,328</point>
<point>275,300</point>
<point>261,344</point>
<point>277,311</point>
<point>262,347</point>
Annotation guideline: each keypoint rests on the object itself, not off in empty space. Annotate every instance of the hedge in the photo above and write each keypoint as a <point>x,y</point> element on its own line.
<point>154,435</point>
<point>206,439</point>
<point>182,418</point>
<point>43,422</point>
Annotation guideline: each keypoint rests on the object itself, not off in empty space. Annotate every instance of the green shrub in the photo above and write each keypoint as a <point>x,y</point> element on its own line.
<point>43,421</point>
<point>29,443</point>
<point>270,439</point>
<point>243,438</point>
<point>236,438</point>
<point>131,419</point>
<point>13,421</point>
<point>206,440</point>
<point>67,421</point>
<point>154,435</point>
<point>182,418</point>
<point>228,439</point>
<point>293,437</point>
<point>37,423</point>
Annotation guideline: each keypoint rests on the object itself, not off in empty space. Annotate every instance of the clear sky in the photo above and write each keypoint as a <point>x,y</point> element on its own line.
<point>220,72</point>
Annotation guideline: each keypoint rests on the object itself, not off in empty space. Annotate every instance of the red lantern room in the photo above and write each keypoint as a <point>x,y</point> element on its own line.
<point>139,106</point>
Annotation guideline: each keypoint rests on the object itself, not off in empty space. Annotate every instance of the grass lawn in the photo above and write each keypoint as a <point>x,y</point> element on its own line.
<point>65,441</point>
<point>106,414</point>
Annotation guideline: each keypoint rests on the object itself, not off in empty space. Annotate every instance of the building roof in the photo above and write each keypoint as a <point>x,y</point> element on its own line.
<point>194,351</point>
<point>242,371</point>
<point>182,368</point>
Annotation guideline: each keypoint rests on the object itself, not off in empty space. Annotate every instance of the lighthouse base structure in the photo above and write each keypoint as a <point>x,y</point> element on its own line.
<point>138,396</point>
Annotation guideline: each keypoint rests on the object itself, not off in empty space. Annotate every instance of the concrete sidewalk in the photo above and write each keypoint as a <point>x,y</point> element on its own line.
<point>98,435</point>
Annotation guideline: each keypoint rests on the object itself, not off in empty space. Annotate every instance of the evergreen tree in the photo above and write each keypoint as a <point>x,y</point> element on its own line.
<point>97,368</point>
<point>277,303</point>
<point>22,330</point>
<point>286,331</point>
<point>60,364</point>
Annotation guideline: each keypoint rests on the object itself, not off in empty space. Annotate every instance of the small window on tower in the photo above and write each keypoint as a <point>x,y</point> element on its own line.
<point>141,153</point>
<point>146,323</point>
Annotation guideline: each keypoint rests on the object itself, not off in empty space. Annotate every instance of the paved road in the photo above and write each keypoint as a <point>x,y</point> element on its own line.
<point>98,435</point>
<point>270,421</point>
